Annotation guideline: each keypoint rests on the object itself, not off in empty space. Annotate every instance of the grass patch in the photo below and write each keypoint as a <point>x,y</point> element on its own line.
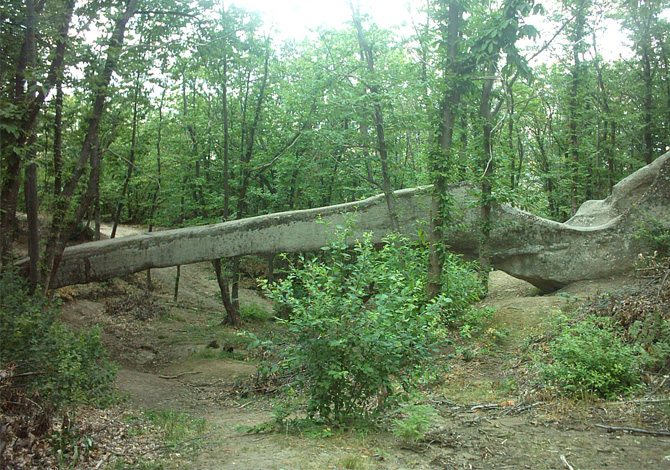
<point>255,313</point>
<point>177,427</point>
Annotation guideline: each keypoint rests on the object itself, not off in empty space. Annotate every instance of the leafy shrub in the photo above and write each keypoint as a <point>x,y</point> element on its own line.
<point>461,287</point>
<point>655,236</point>
<point>255,313</point>
<point>589,358</point>
<point>642,314</point>
<point>68,367</point>
<point>360,326</point>
<point>416,422</point>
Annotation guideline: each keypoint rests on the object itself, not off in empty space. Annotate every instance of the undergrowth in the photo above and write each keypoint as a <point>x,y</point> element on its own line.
<point>65,367</point>
<point>361,327</point>
<point>612,341</point>
<point>589,358</point>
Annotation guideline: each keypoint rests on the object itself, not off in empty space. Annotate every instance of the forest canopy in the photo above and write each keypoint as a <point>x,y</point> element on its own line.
<point>170,113</point>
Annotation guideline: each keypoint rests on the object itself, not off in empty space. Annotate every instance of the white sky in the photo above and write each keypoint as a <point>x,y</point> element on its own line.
<point>294,19</point>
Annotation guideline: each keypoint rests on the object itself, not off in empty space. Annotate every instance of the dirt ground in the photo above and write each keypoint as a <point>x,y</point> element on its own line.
<point>487,420</point>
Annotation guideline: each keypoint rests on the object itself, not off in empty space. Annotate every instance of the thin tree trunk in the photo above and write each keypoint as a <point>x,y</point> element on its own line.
<point>154,198</point>
<point>175,296</point>
<point>488,168</point>
<point>226,142</point>
<point>232,311</point>
<point>61,231</point>
<point>30,192</point>
<point>58,140</point>
<point>378,116</point>
<point>573,105</point>
<point>131,159</point>
<point>235,284</point>
<point>648,125</point>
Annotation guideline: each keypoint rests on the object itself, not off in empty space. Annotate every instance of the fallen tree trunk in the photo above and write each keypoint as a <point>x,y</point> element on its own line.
<point>597,242</point>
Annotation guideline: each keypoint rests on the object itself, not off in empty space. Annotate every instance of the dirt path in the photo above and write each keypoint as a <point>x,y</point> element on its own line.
<point>485,421</point>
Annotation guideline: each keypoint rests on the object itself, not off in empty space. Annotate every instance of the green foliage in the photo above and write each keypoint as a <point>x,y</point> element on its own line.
<point>416,422</point>
<point>353,462</point>
<point>69,367</point>
<point>361,328</point>
<point>255,312</point>
<point>70,445</point>
<point>652,333</point>
<point>655,236</point>
<point>589,358</point>
<point>461,287</point>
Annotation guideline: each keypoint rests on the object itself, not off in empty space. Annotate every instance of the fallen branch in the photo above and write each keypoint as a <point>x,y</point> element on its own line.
<point>665,278</point>
<point>489,406</point>
<point>565,462</point>
<point>4,375</point>
<point>171,377</point>
<point>632,430</point>
<point>642,401</point>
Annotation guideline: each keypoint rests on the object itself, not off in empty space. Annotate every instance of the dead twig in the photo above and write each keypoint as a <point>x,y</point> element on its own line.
<point>657,388</point>
<point>171,377</point>
<point>665,278</point>
<point>632,430</point>
<point>489,406</point>
<point>566,463</point>
<point>642,401</point>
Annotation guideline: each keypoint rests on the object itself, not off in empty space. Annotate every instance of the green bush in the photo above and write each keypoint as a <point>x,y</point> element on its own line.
<point>588,358</point>
<point>255,313</point>
<point>461,287</point>
<point>655,236</point>
<point>66,367</point>
<point>360,326</point>
<point>416,422</point>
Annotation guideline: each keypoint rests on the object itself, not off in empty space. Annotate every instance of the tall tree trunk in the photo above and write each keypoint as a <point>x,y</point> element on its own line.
<point>226,142</point>
<point>488,168</point>
<point>11,157</point>
<point>159,171</point>
<point>58,140</point>
<point>30,193</point>
<point>378,117</point>
<point>131,159</point>
<point>574,104</point>
<point>442,158</point>
<point>666,75</point>
<point>647,115</point>
<point>61,230</point>
<point>13,146</point>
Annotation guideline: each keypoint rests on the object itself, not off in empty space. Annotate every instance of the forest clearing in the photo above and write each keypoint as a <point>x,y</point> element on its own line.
<point>186,401</point>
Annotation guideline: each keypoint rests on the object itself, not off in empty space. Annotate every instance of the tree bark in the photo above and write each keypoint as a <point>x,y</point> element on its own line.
<point>60,230</point>
<point>488,168</point>
<point>232,311</point>
<point>12,146</point>
<point>131,159</point>
<point>378,118</point>
<point>442,158</point>
<point>30,193</point>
